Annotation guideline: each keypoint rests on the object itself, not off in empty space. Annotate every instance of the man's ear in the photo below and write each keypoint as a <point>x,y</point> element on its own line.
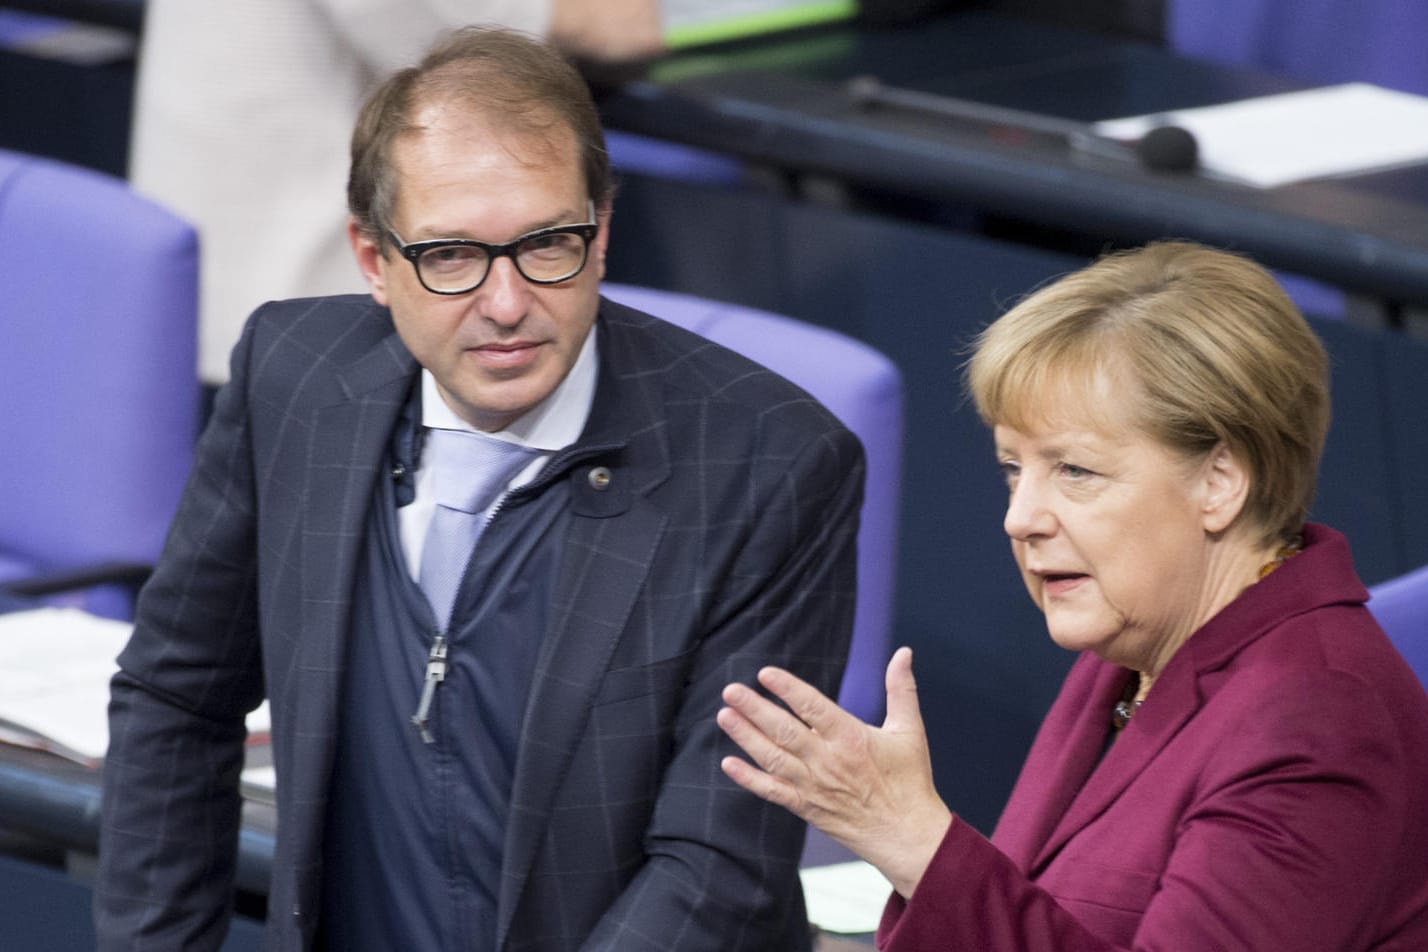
<point>603,214</point>
<point>1226,488</point>
<point>369,259</point>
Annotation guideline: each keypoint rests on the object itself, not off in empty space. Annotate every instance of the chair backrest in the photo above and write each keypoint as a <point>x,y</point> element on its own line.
<point>864,390</point>
<point>632,154</point>
<point>1320,41</point>
<point>98,325</point>
<point>1315,42</point>
<point>1401,607</point>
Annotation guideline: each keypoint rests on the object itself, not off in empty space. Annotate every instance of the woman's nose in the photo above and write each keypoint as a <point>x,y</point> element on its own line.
<point>1028,514</point>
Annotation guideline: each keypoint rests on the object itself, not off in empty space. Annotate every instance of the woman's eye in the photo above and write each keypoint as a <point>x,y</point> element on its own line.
<point>1073,471</point>
<point>1010,471</point>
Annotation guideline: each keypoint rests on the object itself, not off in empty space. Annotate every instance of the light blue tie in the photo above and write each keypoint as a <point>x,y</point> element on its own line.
<point>470,470</point>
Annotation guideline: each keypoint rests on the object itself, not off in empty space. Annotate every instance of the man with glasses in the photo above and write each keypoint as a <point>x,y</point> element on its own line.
<point>241,108</point>
<point>491,546</point>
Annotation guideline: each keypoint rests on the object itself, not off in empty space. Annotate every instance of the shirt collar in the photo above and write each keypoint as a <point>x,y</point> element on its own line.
<point>554,423</point>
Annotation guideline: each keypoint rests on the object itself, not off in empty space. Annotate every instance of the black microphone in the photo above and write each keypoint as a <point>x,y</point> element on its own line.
<point>1168,149</point>
<point>1165,148</point>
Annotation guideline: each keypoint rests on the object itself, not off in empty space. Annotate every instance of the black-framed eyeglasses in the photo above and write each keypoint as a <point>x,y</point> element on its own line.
<point>460,265</point>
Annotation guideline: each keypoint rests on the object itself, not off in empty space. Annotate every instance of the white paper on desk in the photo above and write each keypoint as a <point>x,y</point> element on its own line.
<point>55,668</point>
<point>846,898</point>
<point>1273,140</point>
<point>260,781</point>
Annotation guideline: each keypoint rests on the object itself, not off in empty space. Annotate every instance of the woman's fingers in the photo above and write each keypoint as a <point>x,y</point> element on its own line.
<point>799,740</point>
<point>903,711</point>
<point>772,782</point>
<point>870,789</point>
<point>752,727</point>
<point>765,785</point>
<point>808,704</point>
<point>779,727</point>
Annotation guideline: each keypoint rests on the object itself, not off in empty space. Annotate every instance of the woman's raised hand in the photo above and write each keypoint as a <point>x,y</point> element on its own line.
<point>869,788</point>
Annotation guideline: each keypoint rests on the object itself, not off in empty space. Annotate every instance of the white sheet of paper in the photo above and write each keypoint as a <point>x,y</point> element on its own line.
<point>1273,140</point>
<point>55,667</point>
<point>261,778</point>
<point>846,898</point>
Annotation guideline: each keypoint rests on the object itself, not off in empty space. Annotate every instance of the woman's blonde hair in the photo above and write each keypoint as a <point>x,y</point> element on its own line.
<point>1192,346</point>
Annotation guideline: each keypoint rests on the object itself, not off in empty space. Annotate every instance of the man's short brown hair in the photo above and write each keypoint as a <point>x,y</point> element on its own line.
<point>504,76</point>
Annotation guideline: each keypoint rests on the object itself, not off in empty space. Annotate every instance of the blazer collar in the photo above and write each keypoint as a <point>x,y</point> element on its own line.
<point>346,436</point>
<point>628,409</point>
<point>613,537</point>
<point>352,428</point>
<point>1321,575</point>
<point>1066,750</point>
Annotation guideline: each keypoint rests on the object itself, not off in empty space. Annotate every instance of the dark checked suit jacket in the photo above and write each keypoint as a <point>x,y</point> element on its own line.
<point>724,541</point>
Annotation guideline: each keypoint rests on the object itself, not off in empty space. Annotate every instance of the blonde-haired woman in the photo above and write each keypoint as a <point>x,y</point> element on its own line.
<point>1238,759</point>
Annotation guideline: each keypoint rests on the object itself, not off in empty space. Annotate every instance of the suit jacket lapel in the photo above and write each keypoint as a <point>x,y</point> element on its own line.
<point>345,454</point>
<point>1178,694</point>
<point>1063,788</point>
<point>344,458</point>
<point>613,536</point>
<point>1065,751</point>
<point>608,560</point>
<point>1174,701</point>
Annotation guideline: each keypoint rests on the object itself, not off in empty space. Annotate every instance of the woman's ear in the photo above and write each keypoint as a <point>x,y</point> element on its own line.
<point>1226,487</point>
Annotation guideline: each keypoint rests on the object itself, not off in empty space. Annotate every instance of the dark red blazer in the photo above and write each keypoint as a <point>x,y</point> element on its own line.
<point>1272,793</point>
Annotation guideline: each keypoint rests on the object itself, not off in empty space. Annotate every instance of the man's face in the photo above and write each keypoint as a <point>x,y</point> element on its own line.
<point>501,349</point>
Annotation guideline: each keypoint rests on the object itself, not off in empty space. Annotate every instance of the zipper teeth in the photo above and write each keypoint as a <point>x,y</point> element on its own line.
<point>436,659</point>
<point>496,507</point>
<point>432,676</point>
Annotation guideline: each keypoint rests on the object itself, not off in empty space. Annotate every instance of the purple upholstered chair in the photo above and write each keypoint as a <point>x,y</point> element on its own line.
<point>98,304</point>
<point>863,389</point>
<point>1316,42</point>
<point>1401,607</point>
<point>1320,41</point>
<point>632,154</point>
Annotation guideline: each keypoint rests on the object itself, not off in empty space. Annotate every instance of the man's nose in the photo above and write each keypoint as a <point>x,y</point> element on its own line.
<point>504,297</point>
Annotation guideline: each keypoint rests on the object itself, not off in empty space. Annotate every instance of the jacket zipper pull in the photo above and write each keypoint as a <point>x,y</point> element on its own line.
<point>435,674</point>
